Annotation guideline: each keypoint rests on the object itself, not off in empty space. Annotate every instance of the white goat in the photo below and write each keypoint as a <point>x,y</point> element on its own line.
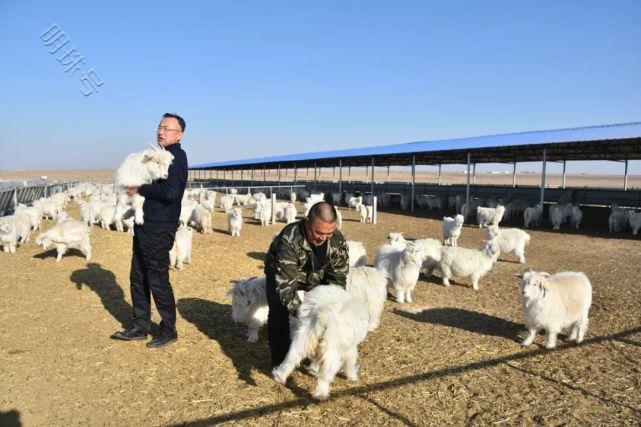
<point>576,217</point>
<point>532,216</point>
<point>201,217</point>
<point>402,267</point>
<point>617,219</point>
<point>290,213</point>
<point>487,216</point>
<point>452,228</point>
<point>235,221</point>
<point>69,234</point>
<point>332,323</point>
<point>35,218</point>
<point>560,214</point>
<point>357,253</point>
<point>555,303</point>
<point>508,240</point>
<point>464,262</point>
<point>249,305</point>
<point>142,168</point>
<point>634,219</point>
<point>181,250</point>
<point>14,230</point>
<point>370,286</point>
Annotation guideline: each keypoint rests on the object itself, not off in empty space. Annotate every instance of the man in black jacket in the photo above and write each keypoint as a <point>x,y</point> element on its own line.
<point>154,239</point>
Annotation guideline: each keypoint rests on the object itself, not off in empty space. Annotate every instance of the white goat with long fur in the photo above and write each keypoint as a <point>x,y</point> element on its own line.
<point>47,207</point>
<point>290,213</point>
<point>430,249</point>
<point>634,219</point>
<point>332,323</point>
<point>35,218</point>
<point>489,216</point>
<point>107,216</point>
<point>560,214</point>
<point>576,217</point>
<point>617,219</point>
<point>508,240</point>
<point>370,286</point>
<point>357,254</point>
<point>235,221</point>
<point>402,266</point>
<point>14,230</point>
<point>201,218</point>
<point>464,262</point>
<point>69,234</point>
<point>142,168</point>
<point>187,207</point>
<point>249,305</point>
<point>181,250</point>
<point>555,303</point>
<point>532,216</point>
<point>452,228</point>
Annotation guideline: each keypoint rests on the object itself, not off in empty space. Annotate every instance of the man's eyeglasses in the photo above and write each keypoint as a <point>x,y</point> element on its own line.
<point>166,129</point>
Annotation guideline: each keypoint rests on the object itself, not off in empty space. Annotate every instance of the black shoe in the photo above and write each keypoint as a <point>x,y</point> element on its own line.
<point>130,334</point>
<point>165,337</point>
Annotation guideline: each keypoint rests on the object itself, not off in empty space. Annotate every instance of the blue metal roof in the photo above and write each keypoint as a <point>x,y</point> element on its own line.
<point>621,131</point>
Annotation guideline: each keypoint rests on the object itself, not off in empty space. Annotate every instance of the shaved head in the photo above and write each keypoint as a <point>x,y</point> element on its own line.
<point>323,211</point>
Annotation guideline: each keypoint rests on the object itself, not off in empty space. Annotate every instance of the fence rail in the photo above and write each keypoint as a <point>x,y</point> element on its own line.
<point>11,197</point>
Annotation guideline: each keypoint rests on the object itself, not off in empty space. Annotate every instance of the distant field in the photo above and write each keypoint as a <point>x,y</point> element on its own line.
<point>523,178</point>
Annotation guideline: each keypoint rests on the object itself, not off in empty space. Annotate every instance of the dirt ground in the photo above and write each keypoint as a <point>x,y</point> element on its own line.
<point>450,357</point>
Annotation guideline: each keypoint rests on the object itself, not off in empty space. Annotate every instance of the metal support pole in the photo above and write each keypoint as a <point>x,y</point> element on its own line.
<point>374,209</point>
<point>295,174</point>
<point>514,174</point>
<point>264,178</point>
<point>340,176</point>
<point>372,178</point>
<point>625,176</point>
<point>387,174</point>
<point>252,175</point>
<point>413,179</point>
<point>439,174</point>
<point>241,176</point>
<point>474,173</point>
<point>564,174</point>
<point>315,177</point>
<point>15,198</point>
<point>467,186</point>
<point>333,172</point>
<point>543,167</point>
<point>349,174</point>
<point>279,174</point>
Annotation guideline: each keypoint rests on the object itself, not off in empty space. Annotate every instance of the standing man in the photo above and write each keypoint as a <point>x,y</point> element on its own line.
<point>154,239</point>
<point>305,254</point>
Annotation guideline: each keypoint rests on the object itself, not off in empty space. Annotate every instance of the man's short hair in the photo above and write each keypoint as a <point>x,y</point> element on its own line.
<point>324,211</point>
<point>181,121</point>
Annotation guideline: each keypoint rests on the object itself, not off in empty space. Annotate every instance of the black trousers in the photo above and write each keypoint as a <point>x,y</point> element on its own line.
<point>150,276</point>
<point>277,323</point>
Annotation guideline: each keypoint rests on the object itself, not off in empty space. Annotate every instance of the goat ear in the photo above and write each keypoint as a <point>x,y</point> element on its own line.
<point>546,275</point>
<point>147,158</point>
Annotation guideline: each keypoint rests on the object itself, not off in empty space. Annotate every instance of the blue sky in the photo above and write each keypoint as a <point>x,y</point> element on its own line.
<point>259,78</point>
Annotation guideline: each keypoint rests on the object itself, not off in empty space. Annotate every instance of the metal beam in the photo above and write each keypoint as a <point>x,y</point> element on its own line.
<point>467,186</point>
<point>543,167</point>
<point>372,179</point>
<point>279,174</point>
<point>439,174</point>
<point>388,174</point>
<point>563,185</point>
<point>625,176</point>
<point>514,174</point>
<point>340,176</point>
<point>413,179</point>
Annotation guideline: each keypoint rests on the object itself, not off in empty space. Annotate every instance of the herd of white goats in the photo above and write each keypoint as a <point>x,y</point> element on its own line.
<point>331,322</point>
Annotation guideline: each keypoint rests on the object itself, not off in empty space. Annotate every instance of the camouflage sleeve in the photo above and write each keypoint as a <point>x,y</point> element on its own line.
<point>339,264</point>
<point>287,275</point>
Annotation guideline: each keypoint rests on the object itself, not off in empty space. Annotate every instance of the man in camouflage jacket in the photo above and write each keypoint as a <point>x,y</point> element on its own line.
<point>305,254</point>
